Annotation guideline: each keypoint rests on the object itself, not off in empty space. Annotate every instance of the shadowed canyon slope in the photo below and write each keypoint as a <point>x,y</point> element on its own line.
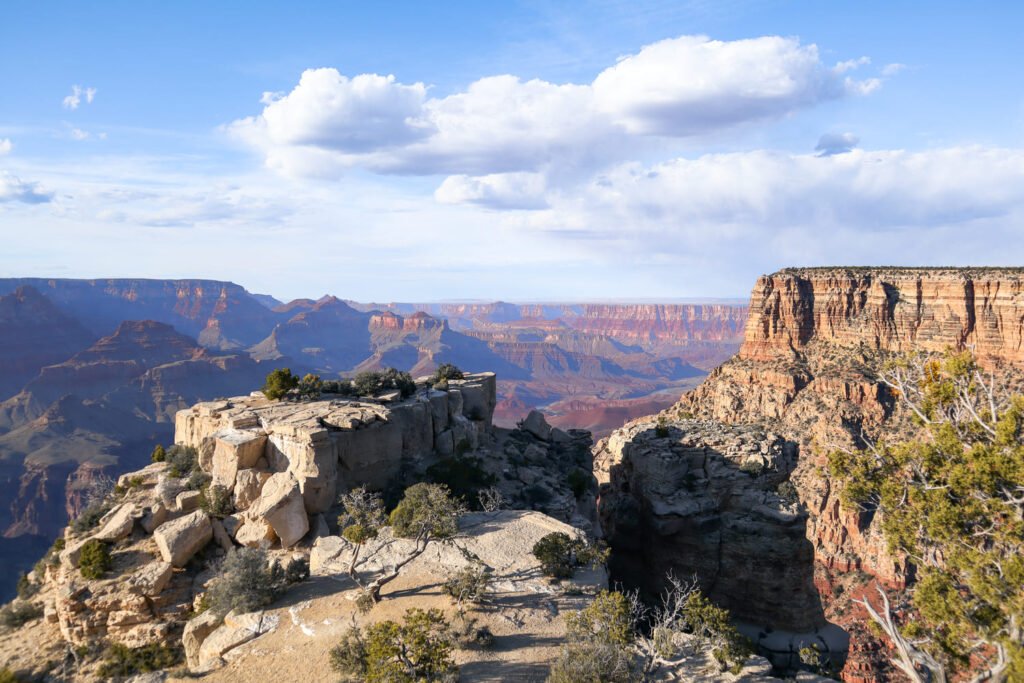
<point>808,371</point>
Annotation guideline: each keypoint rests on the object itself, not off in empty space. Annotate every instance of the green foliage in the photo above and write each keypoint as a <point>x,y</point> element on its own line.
<point>752,467</point>
<point>371,383</point>
<point>661,430</point>
<point>158,454</point>
<point>310,386</point>
<point>215,500</point>
<point>445,372</point>
<point>418,649</point>
<point>245,582</point>
<point>712,625</point>
<point>593,662</point>
<point>296,571</point>
<point>469,584</point>
<point>95,560</point>
<point>121,660</point>
<point>182,460</point>
<point>340,387</point>
<point>607,619</point>
<point>463,475</point>
<point>90,516</point>
<point>279,383</point>
<point>198,480</point>
<point>8,676</point>
<point>952,501</point>
<point>18,613</point>
<point>579,481</point>
<point>361,518</point>
<point>51,557</point>
<point>560,554</point>
<point>426,511</point>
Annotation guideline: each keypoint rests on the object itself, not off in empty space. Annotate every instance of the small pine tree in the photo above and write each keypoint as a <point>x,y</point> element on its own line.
<point>278,383</point>
<point>159,454</point>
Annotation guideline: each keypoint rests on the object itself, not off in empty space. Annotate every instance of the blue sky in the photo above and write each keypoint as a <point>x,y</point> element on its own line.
<point>534,151</point>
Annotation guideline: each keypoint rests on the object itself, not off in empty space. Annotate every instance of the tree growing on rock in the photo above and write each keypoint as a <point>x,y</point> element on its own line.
<point>560,554</point>
<point>952,502</point>
<point>278,383</point>
<point>310,386</point>
<point>445,372</point>
<point>361,519</point>
<point>426,513</point>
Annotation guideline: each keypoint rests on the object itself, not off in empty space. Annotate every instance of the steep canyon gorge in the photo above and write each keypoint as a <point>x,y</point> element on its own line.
<point>729,485</point>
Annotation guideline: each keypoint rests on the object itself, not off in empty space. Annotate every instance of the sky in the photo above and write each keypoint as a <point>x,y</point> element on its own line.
<point>523,151</point>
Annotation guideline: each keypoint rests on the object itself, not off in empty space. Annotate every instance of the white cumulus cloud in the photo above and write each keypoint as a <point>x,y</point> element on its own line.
<point>5,146</point>
<point>502,124</point>
<point>73,100</point>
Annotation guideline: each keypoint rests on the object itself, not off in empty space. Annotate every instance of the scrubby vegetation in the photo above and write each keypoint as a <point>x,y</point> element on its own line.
<point>121,660</point>
<point>182,461</point>
<point>952,501</point>
<point>247,581</point>
<point>417,649</point>
<point>445,372</point>
<point>8,676</point>
<point>26,588</point>
<point>51,558</point>
<point>97,504</point>
<point>464,476</point>
<point>372,382</point>
<point>18,613</point>
<point>560,554</point>
<point>579,481</point>
<point>661,429</point>
<point>159,454</point>
<point>95,560</point>
<point>360,521</point>
<point>215,500</point>
<point>279,383</point>
<point>310,386</point>
<point>468,585</point>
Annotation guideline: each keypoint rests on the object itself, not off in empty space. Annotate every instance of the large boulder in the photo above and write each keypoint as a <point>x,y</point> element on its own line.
<point>536,425</point>
<point>235,449</point>
<point>151,578</point>
<point>248,484</point>
<point>236,630</point>
<point>117,524</point>
<point>281,506</point>
<point>197,630</point>
<point>180,539</point>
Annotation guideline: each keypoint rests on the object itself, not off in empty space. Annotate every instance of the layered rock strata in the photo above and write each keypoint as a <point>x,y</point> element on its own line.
<point>333,445</point>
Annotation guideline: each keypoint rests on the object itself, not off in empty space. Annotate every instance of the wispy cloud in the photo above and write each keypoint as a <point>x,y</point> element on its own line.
<point>5,146</point>
<point>73,100</point>
<point>14,189</point>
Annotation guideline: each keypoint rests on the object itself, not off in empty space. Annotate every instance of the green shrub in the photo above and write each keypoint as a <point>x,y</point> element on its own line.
<point>278,383</point>
<point>216,500</point>
<point>198,480</point>
<point>752,467</point>
<point>713,625</point>
<point>296,571</point>
<point>787,492</point>
<point>121,660</point>
<point>593,662</point>
<point>95,560</point>
<point>560,554</point>
<point>463,475</point>
<point>182,460</point>
<point>445,372</point>
<point>311,386</point>
<point>426,511</point>
<point>159,454</point>
<point>245,582</point>
<point>469,584</point>
<point>340,387</point>
<point>661,430</point>
<point>18,613</point>
<point>371,383</point>
<point>579,482</point>
<point>418,649</point>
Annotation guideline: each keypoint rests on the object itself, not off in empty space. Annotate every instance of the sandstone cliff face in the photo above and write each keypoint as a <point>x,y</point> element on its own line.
<point>814,344</point>
<point>330,446</point>
<point>701,500</point>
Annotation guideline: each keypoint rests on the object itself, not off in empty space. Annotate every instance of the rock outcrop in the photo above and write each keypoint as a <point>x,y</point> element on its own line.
<point>334,444</point>
<point>808,370</point>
